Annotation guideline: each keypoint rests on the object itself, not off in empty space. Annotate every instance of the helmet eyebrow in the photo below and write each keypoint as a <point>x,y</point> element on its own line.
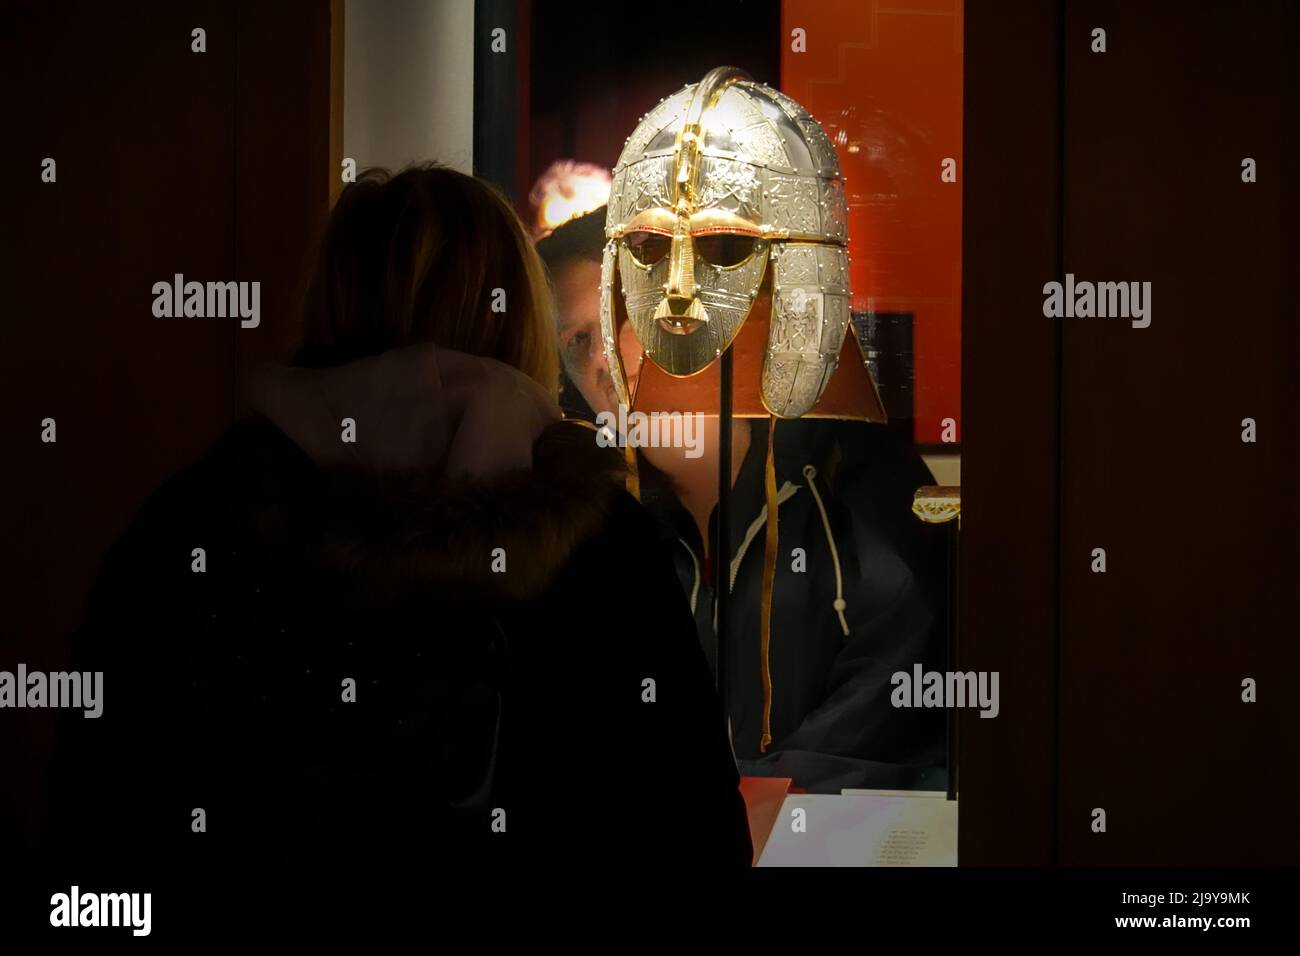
<point>649,220</point>
<point>709,221</point>
<point>727,231</point>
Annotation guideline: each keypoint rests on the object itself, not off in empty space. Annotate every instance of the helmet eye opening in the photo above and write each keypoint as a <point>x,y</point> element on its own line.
<point>646,247</point>
<point>725,250</point>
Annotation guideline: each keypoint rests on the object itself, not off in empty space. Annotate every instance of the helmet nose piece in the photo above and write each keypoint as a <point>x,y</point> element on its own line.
<point>677,315</point>
<point>681,268</point>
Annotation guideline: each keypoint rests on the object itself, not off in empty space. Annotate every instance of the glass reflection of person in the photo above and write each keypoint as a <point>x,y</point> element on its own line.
<point>869,602</point>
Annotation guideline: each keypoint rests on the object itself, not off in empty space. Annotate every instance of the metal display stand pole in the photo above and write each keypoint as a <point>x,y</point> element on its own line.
<point>722,541</point>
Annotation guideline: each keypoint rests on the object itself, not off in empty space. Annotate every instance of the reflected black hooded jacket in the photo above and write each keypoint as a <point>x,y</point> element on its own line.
<point>863,598</point>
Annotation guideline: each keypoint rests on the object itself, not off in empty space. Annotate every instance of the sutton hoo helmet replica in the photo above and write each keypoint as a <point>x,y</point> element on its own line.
<point>715,181</point>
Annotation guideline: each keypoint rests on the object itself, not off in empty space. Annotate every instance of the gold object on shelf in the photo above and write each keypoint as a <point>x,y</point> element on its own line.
<point>937,504</point>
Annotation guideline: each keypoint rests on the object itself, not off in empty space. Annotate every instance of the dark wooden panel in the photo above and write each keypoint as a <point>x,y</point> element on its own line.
<point>141,130</point>
<point>1009,415</point>
<point>1200,530</point>
<point>217,165</point>
<point>288,152</point>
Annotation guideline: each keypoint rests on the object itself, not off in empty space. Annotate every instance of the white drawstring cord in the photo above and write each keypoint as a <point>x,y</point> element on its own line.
<point>695,591</point>
<point>810,473</point>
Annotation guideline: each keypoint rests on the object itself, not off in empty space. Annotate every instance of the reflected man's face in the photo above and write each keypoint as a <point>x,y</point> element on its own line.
<point>577,298</point>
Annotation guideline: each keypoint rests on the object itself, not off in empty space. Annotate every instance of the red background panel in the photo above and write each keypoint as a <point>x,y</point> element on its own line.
<point>885,80</point>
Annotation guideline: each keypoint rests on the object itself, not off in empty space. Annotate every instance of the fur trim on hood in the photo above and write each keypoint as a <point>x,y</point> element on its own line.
<point>455,457</point>
<point>419,408</point>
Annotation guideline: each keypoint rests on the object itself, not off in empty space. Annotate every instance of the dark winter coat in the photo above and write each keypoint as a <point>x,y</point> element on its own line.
<point>482,699</point>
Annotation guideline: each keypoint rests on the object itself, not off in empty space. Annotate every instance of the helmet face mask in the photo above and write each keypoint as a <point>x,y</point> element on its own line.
<point>720,183</point>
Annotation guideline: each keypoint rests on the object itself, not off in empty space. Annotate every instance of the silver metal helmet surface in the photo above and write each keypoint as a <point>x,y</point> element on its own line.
<point>718,183</point>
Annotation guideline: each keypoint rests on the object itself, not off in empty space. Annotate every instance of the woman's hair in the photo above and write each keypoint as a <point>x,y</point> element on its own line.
<point>429,255</point>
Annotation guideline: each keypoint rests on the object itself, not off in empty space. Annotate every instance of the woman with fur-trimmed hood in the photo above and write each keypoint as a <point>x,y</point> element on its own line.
<point>391,612</point>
